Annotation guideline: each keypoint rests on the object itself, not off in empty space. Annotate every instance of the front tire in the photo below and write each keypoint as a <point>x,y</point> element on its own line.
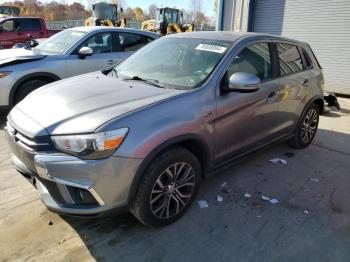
<point>307,128</point>
<point>28,87</point>
<point>168,188</point>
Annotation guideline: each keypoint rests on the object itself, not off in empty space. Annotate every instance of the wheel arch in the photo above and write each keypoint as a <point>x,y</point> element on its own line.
<point>320,103</point>
<point>39,75</point>
<point>318,100</point>
<point>192,143</point>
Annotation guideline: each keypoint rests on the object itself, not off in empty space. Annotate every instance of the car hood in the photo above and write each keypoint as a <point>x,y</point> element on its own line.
<point>82,104</point>
<point>18,55</point>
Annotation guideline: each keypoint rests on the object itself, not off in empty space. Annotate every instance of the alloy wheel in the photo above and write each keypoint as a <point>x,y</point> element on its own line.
<point>172,190</point>
<point>309,127</point>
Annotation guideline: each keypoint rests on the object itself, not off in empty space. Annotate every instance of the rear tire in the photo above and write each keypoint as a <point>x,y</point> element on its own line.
<point>26,88</point>
<point>307,128</point>
<point>168,188</point>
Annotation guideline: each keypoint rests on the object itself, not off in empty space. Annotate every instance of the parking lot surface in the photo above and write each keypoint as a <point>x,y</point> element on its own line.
<point>311,221</point>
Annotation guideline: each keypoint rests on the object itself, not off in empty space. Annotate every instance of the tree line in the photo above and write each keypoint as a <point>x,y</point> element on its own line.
<point>60,11</point>
<point>51,11</point>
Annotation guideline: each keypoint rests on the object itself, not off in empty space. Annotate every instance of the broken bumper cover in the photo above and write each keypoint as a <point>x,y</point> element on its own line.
<point>69,185</point>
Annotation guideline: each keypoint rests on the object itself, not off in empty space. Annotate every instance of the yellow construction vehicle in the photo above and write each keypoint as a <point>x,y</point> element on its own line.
<point>167,21</point>
<point>105,14</point>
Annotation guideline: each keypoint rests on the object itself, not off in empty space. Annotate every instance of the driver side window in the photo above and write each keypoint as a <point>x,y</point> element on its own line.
<point>254,59</point>
<point>100,43</point>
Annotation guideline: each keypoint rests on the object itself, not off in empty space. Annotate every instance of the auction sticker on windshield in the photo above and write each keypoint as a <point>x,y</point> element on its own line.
<point>211,48</point>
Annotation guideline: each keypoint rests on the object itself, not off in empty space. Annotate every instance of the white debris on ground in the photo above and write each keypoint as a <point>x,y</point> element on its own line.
<point>278,161</point>
<point>224,184</point>
<point>306,212</point>
<point>265,198</point>
<point>203,204</point>
<point>219,199</point>
<point>271,200</point>
<point>274,201</point>
<point>315,180</point>
<point>247,195</point>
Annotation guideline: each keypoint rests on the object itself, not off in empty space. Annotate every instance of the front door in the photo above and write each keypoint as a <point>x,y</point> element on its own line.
<point>104,56</point>
<point>244,120</point>
<point>11,34</point>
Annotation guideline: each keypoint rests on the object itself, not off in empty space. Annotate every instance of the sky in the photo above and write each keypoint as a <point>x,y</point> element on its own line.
<point>207,5</point>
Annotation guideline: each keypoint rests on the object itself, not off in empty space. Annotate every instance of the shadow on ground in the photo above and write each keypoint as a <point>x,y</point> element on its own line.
<point>3,116</point>
<point>311,222</point>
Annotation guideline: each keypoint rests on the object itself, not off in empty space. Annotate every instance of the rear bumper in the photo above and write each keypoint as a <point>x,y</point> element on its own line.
<point>72,186</point>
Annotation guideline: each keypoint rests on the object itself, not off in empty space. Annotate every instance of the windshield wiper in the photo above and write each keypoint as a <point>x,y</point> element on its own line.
<point>113,72</point>
<point>153,82</point>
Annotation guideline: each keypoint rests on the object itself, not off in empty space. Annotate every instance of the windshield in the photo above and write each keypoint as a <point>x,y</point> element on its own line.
<point>174,62</point>
<point>171,16</point>
<point>60,42</point>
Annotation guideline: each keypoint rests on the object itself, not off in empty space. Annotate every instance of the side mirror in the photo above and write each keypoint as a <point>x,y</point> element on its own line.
<point>85,51</point>
<point>244,82</point>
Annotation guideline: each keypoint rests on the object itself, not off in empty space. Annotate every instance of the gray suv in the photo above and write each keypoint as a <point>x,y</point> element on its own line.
<point>141,137</point>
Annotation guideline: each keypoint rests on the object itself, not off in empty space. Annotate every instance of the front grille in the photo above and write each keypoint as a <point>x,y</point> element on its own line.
<point>37,144</point>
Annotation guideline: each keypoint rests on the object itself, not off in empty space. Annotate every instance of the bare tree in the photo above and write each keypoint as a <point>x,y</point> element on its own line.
<point>152,11</point>
<point>130,13</point>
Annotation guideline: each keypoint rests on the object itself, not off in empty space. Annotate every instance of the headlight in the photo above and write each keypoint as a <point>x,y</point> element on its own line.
<point>4,73</point>
<point>91,146</point>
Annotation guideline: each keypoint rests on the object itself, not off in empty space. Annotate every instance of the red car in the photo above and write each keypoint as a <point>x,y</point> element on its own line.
<point>16,29</point>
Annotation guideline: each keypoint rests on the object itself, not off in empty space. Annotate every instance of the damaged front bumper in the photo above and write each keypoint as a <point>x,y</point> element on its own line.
<point>72,186</point>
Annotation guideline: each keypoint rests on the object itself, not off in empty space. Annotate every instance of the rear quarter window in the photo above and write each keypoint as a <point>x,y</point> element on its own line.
<point>130,42</point>
<point>307,62</point>
<point>289,58</point>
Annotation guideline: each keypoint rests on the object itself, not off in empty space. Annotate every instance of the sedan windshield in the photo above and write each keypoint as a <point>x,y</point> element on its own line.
<point>180,63</point>
<point>60,42</point>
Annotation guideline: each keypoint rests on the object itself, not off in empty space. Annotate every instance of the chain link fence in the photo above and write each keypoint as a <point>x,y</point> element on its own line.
<point>131,24</point>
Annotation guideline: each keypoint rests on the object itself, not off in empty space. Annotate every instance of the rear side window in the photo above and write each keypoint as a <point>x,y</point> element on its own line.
<point>132,42</point>
<point>254,59</point>
<point>290,59</point>
<point>30,25</point>
<point>315,58</point>
<point>307,60</point>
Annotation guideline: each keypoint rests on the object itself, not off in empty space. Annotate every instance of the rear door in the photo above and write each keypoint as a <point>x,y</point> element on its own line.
<point>295,84</point>
<point>244,120</point>
<point>131,42</point>
<point>104,57</point>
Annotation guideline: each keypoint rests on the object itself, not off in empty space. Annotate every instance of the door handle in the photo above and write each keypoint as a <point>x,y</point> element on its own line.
<point>306,83</point>
<point>272,97</point>
<point>110,62</point>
